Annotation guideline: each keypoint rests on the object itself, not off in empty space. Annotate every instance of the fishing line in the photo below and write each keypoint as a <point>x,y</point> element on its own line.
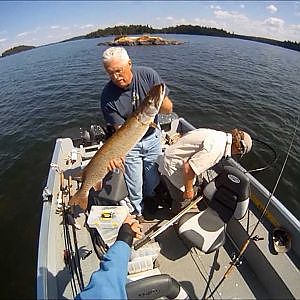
<point>275,157</point>
<point>246,243</point>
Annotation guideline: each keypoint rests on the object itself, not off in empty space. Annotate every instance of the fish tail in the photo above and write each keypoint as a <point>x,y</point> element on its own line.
<point>80,198</point>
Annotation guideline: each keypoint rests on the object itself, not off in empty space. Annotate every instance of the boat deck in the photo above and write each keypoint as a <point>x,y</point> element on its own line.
<point>262,274</point>
<point>197,272</point>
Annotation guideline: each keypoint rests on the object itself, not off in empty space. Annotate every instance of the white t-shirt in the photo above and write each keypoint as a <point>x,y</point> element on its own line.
<point>203,148</point>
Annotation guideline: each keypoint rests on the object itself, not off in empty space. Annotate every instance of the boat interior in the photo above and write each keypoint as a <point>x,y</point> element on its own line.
<point>222,247</point>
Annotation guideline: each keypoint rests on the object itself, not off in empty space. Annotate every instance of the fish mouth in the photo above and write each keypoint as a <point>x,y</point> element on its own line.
<point>160,97</point>
<point>151,105</point>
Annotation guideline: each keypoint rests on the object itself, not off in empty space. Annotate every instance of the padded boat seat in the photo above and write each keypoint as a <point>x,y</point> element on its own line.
<point>113,186</point>
<point>156,287</point>
<point>227,195</point>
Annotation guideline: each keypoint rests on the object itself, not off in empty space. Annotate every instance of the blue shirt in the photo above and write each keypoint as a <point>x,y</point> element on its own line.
<point>109,282</point>
<point>118,104</point>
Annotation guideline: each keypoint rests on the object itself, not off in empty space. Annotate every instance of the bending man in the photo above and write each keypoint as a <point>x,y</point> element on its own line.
<point>193,154</point>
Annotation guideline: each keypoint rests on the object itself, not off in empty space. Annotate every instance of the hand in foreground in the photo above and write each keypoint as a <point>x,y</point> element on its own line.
<point>189,194</point>
<point>135,226</point>
<point>116,163</point>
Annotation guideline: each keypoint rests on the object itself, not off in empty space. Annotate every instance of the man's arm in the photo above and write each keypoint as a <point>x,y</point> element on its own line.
<point>109,281</point>
<point>166,106</point>
<point>188,177</point>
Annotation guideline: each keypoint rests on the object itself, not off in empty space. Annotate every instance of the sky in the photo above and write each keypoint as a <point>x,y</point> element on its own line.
<point>39,23</point>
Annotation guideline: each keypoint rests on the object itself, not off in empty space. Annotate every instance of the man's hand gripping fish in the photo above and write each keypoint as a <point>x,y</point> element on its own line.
<point>119,144</point>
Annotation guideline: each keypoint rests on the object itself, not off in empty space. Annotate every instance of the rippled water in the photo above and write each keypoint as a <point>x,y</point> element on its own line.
<point>214,82</point>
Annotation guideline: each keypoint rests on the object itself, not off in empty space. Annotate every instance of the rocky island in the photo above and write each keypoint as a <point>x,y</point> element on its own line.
<point>16,49</point>
<point>143,40</point>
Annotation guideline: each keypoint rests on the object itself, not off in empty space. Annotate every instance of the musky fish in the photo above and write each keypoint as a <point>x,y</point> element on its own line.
<point>119,144</point>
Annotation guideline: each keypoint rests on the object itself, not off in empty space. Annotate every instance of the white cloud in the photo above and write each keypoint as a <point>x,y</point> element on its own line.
<point>170,18</point>
<point>232,15</point>
<point>242,6</point>
<point>55,27</point>
<point>215,7</point>
<point>205,22</point>
<point>295,27</point>
<point>23,34</point>
<point>274,22</point>
<point>222,14</point>
<point>272,9</point>
<point>2,40</point>
<point>87,26</point>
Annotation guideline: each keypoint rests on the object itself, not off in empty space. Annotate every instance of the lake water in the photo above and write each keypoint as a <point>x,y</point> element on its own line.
<point>214,82</point>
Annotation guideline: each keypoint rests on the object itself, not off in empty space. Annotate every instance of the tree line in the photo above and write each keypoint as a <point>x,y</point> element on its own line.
<point>16,49</point>
<point>185,29</point>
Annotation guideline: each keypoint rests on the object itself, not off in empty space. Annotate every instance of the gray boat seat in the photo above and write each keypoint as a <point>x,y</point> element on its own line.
<point>226,196</point>
<point>156,287</point>
<point>113,187</point>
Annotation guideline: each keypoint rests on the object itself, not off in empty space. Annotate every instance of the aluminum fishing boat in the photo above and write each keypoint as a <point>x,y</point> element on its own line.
<point>247,255</point>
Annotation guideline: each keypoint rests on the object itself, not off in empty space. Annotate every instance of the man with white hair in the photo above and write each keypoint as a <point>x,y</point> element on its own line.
<point>127,88</point>
<point>193,154</point>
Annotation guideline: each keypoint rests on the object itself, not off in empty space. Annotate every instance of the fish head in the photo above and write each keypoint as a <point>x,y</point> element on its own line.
<point>152,102</point>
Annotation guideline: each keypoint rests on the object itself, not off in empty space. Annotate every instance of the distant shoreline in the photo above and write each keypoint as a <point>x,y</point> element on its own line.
<point>183,29</point>
<point>180,29</point>
<point>16,50</point>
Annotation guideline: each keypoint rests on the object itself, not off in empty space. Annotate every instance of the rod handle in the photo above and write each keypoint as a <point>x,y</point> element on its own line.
<point>137,245</point>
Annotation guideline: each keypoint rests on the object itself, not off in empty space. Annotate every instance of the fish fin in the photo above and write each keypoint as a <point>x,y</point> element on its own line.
<point>98,185</point>
<point>122,168</point>
<point>79,198</point>
<point>154,125</point>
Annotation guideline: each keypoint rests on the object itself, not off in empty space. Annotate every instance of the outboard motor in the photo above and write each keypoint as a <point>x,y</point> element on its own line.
<point>97,134</point>
<point>85,137</point>
<point>227,195</point>
<point>92,136</point>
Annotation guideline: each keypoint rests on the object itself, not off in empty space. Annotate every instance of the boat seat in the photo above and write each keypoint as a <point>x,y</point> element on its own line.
<point>156,287</point>
<point>226,196</point>
<point>113,187</point>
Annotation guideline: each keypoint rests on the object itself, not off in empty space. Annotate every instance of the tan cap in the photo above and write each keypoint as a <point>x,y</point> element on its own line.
<point>246,142</point>
<point>241,140</point>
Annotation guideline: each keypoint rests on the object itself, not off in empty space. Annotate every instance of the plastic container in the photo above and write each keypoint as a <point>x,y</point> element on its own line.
<point>142,260</point>
<point>151,249</point>
<point>107,220</point>
<point>141,264</point>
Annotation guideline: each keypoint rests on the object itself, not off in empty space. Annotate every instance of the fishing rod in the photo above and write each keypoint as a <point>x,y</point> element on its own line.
<point>246,243</point>
<point>68,249</point>
<point>81,282</point>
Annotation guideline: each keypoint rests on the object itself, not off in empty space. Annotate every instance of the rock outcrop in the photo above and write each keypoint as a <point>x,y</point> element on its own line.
<point>144,40</point>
